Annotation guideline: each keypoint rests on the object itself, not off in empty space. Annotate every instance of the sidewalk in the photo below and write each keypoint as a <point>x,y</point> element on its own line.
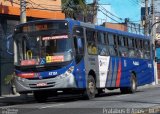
<point>7,100</point>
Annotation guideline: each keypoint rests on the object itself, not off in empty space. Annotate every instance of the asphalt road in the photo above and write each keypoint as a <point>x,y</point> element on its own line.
<point>145,100</point>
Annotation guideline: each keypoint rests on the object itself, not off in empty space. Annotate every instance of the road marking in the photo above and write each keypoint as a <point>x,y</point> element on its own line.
<point>7,107</point>
<point>49,106</point>
<point>122,95</point>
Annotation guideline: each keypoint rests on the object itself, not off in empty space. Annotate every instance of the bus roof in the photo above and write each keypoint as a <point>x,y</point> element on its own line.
<point>89,25</point>
<point>101,28</point>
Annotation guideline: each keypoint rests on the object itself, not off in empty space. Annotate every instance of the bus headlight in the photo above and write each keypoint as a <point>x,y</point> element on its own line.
<point>67,73</point>
<point>20,79</point>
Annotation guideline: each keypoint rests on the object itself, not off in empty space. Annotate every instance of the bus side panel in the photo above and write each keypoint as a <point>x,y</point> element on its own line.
<point>145,74</point>
<point>120,69</point>
<point>116,75</point>
<point>142,68</point>
<point>124,81</point>
<point>79,74</point>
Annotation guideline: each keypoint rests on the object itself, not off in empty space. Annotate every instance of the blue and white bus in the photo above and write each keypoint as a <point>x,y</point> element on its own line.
<point>69,55</point>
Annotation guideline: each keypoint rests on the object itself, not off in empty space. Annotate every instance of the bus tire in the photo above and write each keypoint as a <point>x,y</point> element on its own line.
<point>40,96</point>
<point>91,88</point>
<point>133,82</point>
<point>133,86</point>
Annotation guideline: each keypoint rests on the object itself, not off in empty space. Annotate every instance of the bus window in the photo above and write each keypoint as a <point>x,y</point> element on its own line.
<point>101,38</point>
<point>146,50</point>
<point>78,31</point>
<point>102,48</point>
<point>79,47</point>
<point>110,39</point>
<point>131,47</point>
<point>120,41</point>
<point>91,42</point>
<point>106,38</point>
<point>123,50</point>
<point>112,45</point>
<point>125,41</point>
<point>91,36</point>
<point>79,43</point>
<point>139,50</point>
<point>131,42</point>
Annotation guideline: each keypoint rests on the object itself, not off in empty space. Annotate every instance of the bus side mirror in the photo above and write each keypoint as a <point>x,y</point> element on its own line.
<point>9,44</point>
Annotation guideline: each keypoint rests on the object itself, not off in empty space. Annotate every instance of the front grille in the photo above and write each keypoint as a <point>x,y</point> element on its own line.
<point>40,69</point>
<point>49,84</point>
<point>37,78</point>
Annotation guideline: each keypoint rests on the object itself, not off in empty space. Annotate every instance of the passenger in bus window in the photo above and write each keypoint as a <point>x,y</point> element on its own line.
<point>140,54</point>
<point>131,53</point>
<point>92,49</point>
<point>89,47</point>
<point>124,54</point>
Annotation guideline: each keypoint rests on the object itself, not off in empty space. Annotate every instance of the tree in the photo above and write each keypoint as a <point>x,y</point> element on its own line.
<point>73,7</point>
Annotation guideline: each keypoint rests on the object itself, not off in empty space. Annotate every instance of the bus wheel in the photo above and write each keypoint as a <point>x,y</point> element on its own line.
<point>40,96</point>
<point>133,86</point>
<point>91,88</point>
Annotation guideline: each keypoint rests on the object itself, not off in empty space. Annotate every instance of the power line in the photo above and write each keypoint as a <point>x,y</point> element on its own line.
<point>135,2</point>
<point>110,12</point>
<point>109,16</point>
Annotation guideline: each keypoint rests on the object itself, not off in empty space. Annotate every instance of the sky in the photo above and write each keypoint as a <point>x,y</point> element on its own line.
<point>123,9</point>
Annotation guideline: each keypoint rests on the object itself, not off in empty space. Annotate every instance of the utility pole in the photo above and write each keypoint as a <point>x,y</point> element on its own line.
<point>95,3</point>
<point>146,18</point>
<point>23,19</point>
<point>23,11</point>
<point>153,36</point>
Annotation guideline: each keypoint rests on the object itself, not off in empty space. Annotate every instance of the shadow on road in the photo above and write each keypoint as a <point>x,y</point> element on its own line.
<point>29,99</point>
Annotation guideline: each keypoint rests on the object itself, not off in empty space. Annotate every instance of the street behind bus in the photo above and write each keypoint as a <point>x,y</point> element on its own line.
<point>145,100</point>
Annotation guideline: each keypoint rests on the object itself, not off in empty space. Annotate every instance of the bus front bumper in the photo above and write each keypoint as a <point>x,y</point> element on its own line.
<point>29,85</point>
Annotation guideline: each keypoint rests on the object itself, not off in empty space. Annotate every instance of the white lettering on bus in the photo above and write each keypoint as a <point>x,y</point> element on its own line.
<point>149,65</point>
<point>52,73</point>
<point>125,63</point>
<point>135,63</point>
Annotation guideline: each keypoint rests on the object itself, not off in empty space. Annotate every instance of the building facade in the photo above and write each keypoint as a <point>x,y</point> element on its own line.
<point>117,26</point>
<point>9,17</point>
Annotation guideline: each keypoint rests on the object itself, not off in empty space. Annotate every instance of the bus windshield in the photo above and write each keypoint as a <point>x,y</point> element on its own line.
<point>39,47</point>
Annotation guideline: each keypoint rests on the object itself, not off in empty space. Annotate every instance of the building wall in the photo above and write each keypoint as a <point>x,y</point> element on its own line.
<point>35,8</point>
<point>116,26</point>
<point>158,70</point>
<point>6,60</point>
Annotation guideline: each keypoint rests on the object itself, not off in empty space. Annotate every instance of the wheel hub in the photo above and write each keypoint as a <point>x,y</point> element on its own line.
<point>91,87</point>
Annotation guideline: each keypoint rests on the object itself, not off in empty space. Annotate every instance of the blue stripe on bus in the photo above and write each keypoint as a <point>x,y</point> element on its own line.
<point>114,76</point>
